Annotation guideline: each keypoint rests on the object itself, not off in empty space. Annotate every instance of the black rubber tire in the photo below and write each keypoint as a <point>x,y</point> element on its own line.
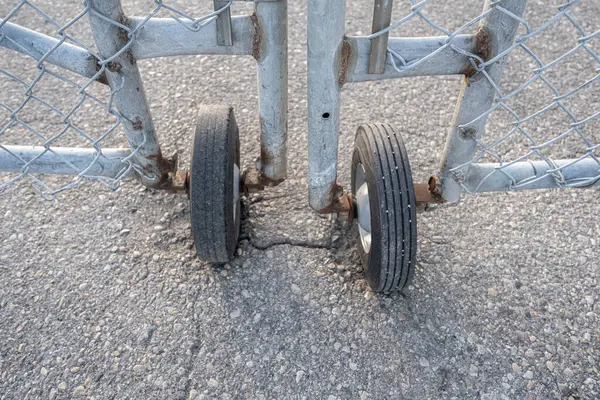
<point>216,149</point>
<point>390,263</point>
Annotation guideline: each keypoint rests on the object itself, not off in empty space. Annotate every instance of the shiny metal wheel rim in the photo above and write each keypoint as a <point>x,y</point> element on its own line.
<point>363,208</point>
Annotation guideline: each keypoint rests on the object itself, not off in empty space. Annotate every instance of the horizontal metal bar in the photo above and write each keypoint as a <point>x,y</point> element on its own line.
<point>159,37</point>
<point>32,43</point>
<point>525,175</point>
<point>446,62</point>
<point>162,37</point>
<point>63,160</point>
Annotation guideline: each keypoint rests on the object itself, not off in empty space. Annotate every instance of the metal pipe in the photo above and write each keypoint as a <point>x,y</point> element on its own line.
<point>36,45</point>
<point>496,33</point>
<point>445,61</point>
<point>163,37</point>
<point>382,16</point>
<point>270,51</point>
<point>327,54</point>
<point>223,24</point>
<point>524,175</point>
<point>128,91</point>
<point>63,160</point>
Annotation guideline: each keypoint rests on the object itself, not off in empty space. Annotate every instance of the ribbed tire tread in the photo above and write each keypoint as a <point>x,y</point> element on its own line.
<point>215,151</point>
<point>390,264</point>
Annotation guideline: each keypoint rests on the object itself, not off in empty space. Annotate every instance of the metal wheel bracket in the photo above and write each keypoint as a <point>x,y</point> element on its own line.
<point>253,180</point>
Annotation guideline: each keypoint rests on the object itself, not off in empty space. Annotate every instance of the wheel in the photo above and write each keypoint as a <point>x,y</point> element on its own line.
<point>215,184</point>
<point>385,204</point>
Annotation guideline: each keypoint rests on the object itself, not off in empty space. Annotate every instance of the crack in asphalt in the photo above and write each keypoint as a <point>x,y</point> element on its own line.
<point>290,242</point>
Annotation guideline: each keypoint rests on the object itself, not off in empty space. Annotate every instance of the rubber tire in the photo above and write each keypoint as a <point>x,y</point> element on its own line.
<point>390,263</point>
<point>216,149</point>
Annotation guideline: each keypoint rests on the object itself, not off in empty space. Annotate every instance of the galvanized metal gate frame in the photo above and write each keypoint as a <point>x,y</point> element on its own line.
<point>262,35</point>
<point>335,59</point>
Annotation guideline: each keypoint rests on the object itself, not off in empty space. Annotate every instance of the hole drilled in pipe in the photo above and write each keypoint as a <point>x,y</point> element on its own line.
<point>325,115</point>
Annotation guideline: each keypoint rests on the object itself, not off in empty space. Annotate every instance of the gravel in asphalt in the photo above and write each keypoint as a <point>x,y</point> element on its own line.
<point>101,295</point>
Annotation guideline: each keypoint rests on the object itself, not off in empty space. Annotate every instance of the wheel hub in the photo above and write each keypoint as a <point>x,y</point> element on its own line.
<point>236,191</point>
<point>363,208</point>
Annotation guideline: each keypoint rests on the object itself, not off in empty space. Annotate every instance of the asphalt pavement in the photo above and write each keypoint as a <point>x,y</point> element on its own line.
<point>101,295</point>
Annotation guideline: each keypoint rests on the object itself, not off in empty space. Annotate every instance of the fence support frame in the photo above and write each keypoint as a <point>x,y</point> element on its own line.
<point>327,51</point>
<point>498,30</point>
<point>270,51</point>
<point>123,75</point>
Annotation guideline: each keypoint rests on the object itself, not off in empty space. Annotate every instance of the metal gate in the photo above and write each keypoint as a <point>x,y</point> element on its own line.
<point>474,160</point>
<point>525,76</point>
<point>38,137</point>
<point>529,96</point>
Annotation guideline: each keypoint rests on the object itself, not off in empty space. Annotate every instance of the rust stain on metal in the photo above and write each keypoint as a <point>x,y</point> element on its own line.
<point>467,133</point>
<point>179,181</point>
<point>340,202</point>
<point>436,189</point>
<point>137,125</point>
<point>332,193</point>
<point>344,207</point>
<point>345,54</point>
<point>428,193</point>
<point>483,45</point>
<point>432,184</point>
<point>113,66</point>
<point>102,78</point>
<point>165,168</point>
<point>266,156</point>
<point>123,36</point>
<point>251,179</point>
<point>130,57</point>
<point>254,180</point>
<point>483,48</point>
<point>257,39</point>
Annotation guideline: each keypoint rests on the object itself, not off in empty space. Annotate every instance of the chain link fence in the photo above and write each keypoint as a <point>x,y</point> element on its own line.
<point>552,72</point>
<point>534,117</point>
<point>41,55</point>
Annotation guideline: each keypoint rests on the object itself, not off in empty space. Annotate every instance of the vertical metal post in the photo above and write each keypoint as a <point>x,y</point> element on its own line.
<point>327,54</point>
<point>382,16</point>
<point>496,33</point>
<point>128,92</point>
<point>270,51</point>
<point>223,23</point>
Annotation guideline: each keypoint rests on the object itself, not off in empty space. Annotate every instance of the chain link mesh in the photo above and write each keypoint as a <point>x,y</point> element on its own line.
<point>542,105</point>
<point>83,115</point>
<point>541,110</point>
